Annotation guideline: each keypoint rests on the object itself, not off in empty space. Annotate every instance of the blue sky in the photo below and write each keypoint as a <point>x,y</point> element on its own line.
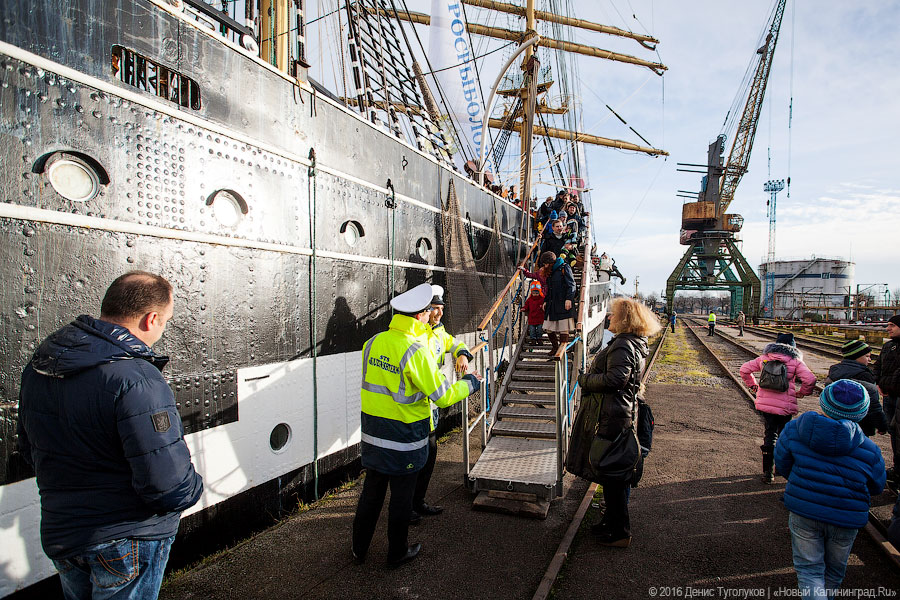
<point>845,187</point>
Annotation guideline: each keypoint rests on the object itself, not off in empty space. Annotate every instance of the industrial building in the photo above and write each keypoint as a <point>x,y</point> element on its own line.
<point>812,286</point>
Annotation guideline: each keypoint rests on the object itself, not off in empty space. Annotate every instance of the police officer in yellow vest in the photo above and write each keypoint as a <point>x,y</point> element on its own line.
<point>711,321</point>
<point>440,342</point>
<point>400,379</point>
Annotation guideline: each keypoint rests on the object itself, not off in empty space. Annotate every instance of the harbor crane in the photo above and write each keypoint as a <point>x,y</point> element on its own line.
<point>712,259</point>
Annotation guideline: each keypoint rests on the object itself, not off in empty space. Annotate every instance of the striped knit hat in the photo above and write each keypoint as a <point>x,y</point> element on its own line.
<point>845,399</point>
<point>854,349</point>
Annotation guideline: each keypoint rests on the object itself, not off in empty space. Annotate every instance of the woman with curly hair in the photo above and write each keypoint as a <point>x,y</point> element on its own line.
<point>615,373</point>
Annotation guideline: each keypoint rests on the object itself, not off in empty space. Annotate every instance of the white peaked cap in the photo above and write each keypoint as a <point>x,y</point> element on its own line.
<point>413,301</point>
<point>438,292</point>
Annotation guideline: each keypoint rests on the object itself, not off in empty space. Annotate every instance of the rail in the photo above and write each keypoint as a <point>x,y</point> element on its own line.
<point>485,353</point>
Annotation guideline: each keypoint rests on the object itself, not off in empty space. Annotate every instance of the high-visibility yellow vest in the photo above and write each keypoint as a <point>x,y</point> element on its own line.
<point>442,342</point>
<point>712,317</point>
<point>400,377</point>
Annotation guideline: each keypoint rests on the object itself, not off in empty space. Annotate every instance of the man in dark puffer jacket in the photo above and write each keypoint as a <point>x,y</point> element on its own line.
<point>98,422</point>
<point>832,470</point>
<point>887,374</point>
<point>856,355</point>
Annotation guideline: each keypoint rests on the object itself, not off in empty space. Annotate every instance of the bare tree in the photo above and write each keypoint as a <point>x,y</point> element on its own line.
<point>896,294</point>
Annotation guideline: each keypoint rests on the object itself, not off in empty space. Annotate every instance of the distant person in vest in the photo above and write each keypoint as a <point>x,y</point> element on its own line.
<point>887,374</point>
<point>832,470</point>
<point>855,366</point>
<point>98,422</point>
<point>440,343</point>
<point>741,321</point>
<point>776,394</point>
<point>400,379</point>
<point>672,318</point>
<point>711,321</point>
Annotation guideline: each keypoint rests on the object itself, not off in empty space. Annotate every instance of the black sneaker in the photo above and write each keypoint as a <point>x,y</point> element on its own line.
<point>613,540</point>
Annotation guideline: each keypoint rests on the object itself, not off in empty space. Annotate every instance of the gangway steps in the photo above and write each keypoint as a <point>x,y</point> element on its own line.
<point>525,386</point>
<point>537,399</point>
<point>524,429</point>
<point>517,465</point>
<point>527,412</point>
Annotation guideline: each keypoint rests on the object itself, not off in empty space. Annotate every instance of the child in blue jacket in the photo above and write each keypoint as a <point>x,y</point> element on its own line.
<point>832,468</point>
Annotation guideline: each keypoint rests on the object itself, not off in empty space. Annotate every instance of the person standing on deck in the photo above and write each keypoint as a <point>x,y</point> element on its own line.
<point>741,321</point>
<point>887,374</point>
<point>400,378</point>
<point>440,342</point>
<point>559,305</point>
<point>777,406</point>
<point>832,469</point>
<point>98,422</point>
<point>711,321</point>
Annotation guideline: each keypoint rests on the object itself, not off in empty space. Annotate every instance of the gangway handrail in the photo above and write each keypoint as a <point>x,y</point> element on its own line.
<point>579,324</point>
<point>512,281</point>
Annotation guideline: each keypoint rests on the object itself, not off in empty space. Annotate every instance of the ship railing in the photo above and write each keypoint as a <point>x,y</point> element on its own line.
<point>231,29</point>
<point>496,341</point>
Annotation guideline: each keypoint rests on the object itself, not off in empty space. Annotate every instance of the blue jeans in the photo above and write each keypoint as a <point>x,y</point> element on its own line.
<point>119,570</point>
<point>535,332</point>
<point>821,551</point>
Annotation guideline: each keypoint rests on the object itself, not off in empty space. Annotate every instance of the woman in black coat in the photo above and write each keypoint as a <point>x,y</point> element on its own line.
<point>559,306</point>
<point>615,373</point>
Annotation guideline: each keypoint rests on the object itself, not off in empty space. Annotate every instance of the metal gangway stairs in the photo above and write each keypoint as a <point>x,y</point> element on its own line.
<point>526,411</point>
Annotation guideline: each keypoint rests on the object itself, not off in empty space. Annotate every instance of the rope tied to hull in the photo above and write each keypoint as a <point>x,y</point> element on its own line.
<point>313,313</point>
<point>391,204</point>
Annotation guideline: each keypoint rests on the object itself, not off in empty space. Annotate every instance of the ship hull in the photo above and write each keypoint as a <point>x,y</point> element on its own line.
<point>270,312</point>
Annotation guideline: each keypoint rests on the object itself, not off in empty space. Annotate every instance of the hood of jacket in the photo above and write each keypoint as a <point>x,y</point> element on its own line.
<point>783,349</point>
<point>849,369</point>
<point>87,342</point>
<point>828,436</point>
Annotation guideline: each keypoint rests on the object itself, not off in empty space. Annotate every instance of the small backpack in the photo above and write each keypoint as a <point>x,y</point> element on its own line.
<point>774,376</point>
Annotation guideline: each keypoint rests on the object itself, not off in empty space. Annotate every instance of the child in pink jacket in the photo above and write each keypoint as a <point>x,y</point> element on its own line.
<point>777,408</point>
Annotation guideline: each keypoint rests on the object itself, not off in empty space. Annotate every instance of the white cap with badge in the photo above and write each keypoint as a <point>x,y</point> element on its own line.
<point>413,301</point>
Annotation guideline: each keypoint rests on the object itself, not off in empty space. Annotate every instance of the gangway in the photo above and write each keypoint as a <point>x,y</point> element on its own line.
<point>525,416</point>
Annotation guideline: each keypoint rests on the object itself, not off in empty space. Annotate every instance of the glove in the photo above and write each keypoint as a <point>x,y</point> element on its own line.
<point>582,378</point>
<point>473,381</point>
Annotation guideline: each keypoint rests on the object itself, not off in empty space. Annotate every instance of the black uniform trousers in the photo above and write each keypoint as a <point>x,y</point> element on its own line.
<point>425,474</point>
<point>369,508</point>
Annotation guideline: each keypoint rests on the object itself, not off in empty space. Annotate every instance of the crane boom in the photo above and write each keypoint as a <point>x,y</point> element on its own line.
<point>739,157</point>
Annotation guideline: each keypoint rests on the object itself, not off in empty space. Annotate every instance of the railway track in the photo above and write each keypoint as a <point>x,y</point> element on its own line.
<point>832,349</point>
<point>559,558</point>
<point>730,349</point>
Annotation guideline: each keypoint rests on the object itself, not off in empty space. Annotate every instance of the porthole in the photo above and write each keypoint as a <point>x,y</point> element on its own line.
<point>280,437</point>
<point>73,178</point>
<point>227,207</point>
<point>423,248</point>
<point>352,232</point>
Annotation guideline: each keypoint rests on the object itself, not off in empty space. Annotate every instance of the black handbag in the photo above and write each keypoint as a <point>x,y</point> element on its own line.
<point>599,459</point>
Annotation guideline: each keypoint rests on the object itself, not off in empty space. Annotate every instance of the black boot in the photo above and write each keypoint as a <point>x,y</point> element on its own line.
<point>768,461</point>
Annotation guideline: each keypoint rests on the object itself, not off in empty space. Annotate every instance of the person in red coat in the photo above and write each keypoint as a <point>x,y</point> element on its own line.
<point>534,308</point>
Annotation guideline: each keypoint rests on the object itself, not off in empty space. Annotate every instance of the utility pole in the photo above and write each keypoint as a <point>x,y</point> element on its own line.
<point>773,186</point>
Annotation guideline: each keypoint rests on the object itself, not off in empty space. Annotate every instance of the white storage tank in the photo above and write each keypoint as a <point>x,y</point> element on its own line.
<point>808,286</point>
